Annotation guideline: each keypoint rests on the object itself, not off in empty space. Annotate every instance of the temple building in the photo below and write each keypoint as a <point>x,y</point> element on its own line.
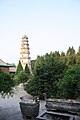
<point>7,68</point>
<point>25,53</point>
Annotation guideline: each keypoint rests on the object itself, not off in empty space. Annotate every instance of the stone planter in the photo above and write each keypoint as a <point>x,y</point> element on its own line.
<point>48,115</point>
<point>29,109</point>
<point>63,105</point>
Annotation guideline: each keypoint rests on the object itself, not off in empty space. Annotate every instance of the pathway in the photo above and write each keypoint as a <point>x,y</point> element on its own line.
<point>10,109</point>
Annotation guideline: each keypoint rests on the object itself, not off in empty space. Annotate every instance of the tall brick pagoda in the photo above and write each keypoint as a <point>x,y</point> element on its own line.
<point>25,53</point>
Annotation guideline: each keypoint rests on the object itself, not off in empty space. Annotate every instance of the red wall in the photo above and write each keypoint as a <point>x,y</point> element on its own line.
<point>5,69</point>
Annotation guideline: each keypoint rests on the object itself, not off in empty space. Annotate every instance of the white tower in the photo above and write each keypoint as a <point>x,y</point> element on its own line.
<point>24,53</point>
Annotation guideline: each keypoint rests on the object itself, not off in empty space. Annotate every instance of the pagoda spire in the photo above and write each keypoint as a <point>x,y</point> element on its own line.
<point>25,53</point>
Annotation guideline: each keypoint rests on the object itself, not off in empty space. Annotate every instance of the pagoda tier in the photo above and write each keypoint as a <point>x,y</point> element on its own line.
<point>24,44</point>
<point>24,40</point>
<point>27,48</point>
<point>24,52</point>
<point>23,57</point>
<point>24,37</point>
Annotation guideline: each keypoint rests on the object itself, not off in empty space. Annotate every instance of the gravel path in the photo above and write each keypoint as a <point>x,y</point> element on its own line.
<point>9,107</point>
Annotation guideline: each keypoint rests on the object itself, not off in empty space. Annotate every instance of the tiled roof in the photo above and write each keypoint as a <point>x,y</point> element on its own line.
<point>2,63</point>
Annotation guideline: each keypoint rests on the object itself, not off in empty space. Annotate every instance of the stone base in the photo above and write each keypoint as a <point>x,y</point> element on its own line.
<point>63,105</point>
<point>49,115</point>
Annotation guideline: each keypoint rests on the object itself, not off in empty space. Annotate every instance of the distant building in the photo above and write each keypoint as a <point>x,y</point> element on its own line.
<point>25,53</point>
<point>6,67</point>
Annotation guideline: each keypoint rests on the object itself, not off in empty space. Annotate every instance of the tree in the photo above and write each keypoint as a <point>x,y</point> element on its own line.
<point>27,70</point>
<point>19,68</point>
<point>56,55</point>
<point>70,56</point>
<point>69,85</point>
<point>32,64</point>
<point>6,83</point>
<point>78,56</point>
<point>46,74</point>
<point>63,57</point>
<point>22,77</point>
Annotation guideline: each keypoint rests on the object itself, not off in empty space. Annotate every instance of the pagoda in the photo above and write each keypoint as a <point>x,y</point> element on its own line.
<point>25,53</point>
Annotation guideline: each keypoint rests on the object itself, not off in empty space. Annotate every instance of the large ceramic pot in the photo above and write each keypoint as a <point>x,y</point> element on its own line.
<point>29,108</point>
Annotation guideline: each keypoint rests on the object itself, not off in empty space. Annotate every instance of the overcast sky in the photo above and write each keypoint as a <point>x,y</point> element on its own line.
<point>51,25</point>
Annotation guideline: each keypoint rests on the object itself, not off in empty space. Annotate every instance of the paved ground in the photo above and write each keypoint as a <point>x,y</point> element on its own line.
<point>10,109</point>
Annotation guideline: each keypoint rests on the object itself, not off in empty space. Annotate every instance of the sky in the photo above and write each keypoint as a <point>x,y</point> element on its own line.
<point>50,25</point>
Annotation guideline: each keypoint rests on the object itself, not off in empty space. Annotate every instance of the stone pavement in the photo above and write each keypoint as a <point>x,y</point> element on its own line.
<point>10,109</point>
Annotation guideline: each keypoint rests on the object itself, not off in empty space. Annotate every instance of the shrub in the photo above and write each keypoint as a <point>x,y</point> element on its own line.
<point>69,86</point>
<point>6,83</point>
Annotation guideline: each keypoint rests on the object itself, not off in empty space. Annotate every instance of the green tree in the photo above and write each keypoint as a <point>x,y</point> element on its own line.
<point>70,51</point>
<point>78,56</point>
<point>47,73</point>
<point>27,70</point>
<point>63,57</point>
<point>19,68</point>
<point>56,55</point>
<point>69,86</point>
<point>6,83</point>
<point>70,56</point>
<point>32,64</point>
<point>22,77</point>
